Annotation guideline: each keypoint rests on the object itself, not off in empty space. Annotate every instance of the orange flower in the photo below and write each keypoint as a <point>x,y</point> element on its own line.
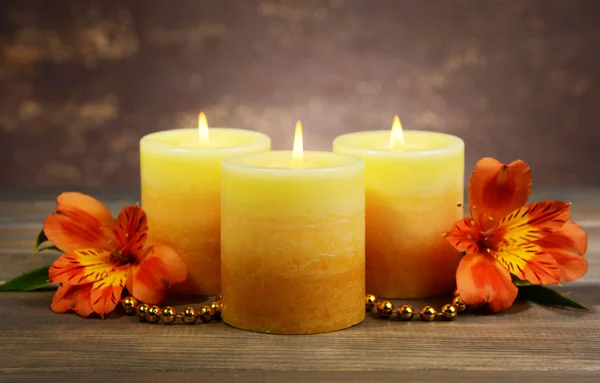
<point>536,243</point>
<point>102,256</point>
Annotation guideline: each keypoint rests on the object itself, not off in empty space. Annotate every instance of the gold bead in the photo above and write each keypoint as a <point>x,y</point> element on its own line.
<point>168,315</point>
<point>216,307</point>
<point>449,312</point>
<point>428,313</point>
<point>459,304</point>
<point>456,293</point>
<point>406,312</point>
<point>370,302</point>
<point>141,312</point>
<point>205,313</point>
<point>219,298</point>
<point>153,314</point>
<point>129,305</point>
<point>189,315</point>
<point>385,309</point>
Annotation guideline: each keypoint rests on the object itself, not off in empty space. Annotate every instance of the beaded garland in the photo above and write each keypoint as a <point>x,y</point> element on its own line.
<point>212,311</point>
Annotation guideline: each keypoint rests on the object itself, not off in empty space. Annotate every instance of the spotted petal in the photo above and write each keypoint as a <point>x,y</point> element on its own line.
<point>512,242</point>
<point>106,292</point>
<point>495,189</point>
<point>81,267</point>
<point>131,229</point>
<point>465,236</point>
<point>529,262</point>
<point>532,222</point>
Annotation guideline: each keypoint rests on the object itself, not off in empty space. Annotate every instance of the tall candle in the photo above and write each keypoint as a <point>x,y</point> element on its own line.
<point>414,193</point>
<point>181,172</point>
<point>292,242</point>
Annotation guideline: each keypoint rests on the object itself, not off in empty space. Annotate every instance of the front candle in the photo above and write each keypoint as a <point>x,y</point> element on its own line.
<point>293,242</point>
<point>181,172</point>
<point>414,193</point>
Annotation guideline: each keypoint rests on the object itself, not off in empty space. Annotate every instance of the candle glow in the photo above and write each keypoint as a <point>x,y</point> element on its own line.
<point>297,153</point>
<point>203,138</point>
<point>397,134</point>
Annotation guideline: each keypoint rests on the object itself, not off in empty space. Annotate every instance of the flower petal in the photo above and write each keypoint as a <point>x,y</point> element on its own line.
<point>481,279</point>
<point>570,235</point>
<point>171,266</point>
<point>513,240</point>
<point>81,267</point>
<point>68,201</point>
<point>106,293</point>
<point>161,268</point>
<point>131,229</point>
<point>496,189</point>
<point>80,222</point>
<point>464,236</point>
<point>76,298</point>
<point>567,247</point>
<point>146,287</point>
<point>528,261</point>
<point>532,222</point>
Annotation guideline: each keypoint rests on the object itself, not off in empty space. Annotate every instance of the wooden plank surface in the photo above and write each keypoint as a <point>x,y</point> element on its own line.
<point>528,342</point>
<point>245,376</point>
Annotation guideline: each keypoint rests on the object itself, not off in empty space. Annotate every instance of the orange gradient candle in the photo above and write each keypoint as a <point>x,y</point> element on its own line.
<point>293,241</point>
<point>414,184</point>
<point>181,193</point>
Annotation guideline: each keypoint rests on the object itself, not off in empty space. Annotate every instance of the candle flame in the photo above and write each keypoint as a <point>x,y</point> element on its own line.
<point>203,130</point>
<point>397,134</point>
<point>298,146</point>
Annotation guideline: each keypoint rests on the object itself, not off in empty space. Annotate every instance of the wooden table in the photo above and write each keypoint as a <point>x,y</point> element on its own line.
<point>528,342</point>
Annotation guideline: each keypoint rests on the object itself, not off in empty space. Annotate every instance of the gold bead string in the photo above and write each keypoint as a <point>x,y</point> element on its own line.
<point>168,314</point>
<point>212,311</point>
<point>406,312</point>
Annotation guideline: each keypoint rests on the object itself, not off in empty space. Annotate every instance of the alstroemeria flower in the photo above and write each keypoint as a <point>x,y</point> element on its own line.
<point>535,243</point>
<point>103,256</point>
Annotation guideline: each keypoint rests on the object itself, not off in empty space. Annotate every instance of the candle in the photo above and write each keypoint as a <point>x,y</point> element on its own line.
<point>293,241</point>
<point>414,193</point>
<point>180,171</point>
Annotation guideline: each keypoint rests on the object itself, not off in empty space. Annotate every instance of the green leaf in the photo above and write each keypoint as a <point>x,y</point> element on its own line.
<point>520,283</point>
<point>41,238</point>
<point>51,247</point>
<point>546,296</point>
<point>29,281</point>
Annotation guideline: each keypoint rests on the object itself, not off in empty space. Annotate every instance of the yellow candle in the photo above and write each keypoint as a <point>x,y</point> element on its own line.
<point>181,171</point>
<point>414,193</point>
<point>293,242</point>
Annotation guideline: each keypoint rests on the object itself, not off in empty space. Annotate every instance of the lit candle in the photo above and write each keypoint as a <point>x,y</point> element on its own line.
<point>414,193</point>
<point>181,172</point>
<point>292,241</point>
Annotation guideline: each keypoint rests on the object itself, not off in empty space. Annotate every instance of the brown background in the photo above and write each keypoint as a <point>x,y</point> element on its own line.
<point>82,81</point>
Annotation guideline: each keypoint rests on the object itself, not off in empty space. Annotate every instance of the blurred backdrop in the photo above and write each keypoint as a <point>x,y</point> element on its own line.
<point>82,81</point>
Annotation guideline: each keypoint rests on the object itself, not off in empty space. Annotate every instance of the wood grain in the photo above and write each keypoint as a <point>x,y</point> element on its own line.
<point>527,342</point>
<point>229,376</point>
